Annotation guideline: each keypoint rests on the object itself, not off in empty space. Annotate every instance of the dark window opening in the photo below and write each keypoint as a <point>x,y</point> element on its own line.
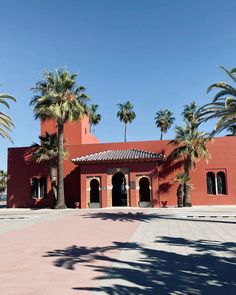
<point>34,187</point>
<point>43,187</point>
<point>94,191</point>
<point>211,184</point>
<point>216,184</point>
<point>38,187</point>
<point>119,193</point>
<point>144,190</point>
<point>221,183</point>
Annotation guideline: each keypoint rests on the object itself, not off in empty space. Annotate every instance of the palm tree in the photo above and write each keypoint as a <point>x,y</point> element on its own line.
<point>125,114</point>
<point>3,181</point>
<point>191,114</point>
<point>94,118</point>
<point>183,180</point>
<point>164,120</point>
<point>58,98</point>
<point>232,130</point>
<point>223,105</point>
<point>47,151</point>
<point>6,123</point>
<point>191,146</point>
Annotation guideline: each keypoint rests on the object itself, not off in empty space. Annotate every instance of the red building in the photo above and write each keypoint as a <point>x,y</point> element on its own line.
<point>120,174</point>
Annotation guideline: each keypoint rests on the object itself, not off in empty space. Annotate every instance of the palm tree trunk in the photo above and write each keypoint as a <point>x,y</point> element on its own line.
<point>187,198</point>
<point>53,178</point>
<point>125,131</point>
<point>161,136</point>
<point>60,197</point>
<point>179,194</point>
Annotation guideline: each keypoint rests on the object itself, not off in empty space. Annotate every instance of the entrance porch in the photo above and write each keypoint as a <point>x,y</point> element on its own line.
<point>119,178</point>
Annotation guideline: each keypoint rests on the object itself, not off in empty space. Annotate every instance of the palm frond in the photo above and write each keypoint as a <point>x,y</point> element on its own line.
<point>58,98</point>
<point>6,123</point>
<point>222,85</point>
<point>229,73</point>
<point>47,149</point>
<point>182,178</point>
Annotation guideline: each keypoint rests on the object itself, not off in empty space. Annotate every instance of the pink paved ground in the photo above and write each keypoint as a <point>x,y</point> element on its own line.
<point>28,255</point>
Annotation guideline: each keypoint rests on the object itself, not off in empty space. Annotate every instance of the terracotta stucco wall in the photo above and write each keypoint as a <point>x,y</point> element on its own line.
<point>74,132</point>
<point>21,170</point>
<point>223,157</point>
<point>106,172</point>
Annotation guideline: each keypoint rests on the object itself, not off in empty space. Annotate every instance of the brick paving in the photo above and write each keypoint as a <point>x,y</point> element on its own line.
<point>118,251</point>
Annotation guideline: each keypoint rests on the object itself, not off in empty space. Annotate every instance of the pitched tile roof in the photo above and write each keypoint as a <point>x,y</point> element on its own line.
<point>119,155</point>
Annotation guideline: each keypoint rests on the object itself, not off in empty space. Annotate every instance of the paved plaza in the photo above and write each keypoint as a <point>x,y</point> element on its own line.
<point>118,251</point>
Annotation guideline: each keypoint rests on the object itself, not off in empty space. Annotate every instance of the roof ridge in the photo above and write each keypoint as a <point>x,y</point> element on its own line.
<point>119,154</point>
<point>145,151</point>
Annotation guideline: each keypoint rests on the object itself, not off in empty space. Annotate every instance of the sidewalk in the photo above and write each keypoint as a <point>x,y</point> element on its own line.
<point>118,251</point>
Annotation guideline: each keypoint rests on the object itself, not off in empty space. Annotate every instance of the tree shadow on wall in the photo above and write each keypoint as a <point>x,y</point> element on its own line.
<point>169,166</point>
<point>155,271</point>
<point>164,188</point>
<point>72,188</point>
<point>31,169</point>
<point>162,191</point>
<point>166,176</point>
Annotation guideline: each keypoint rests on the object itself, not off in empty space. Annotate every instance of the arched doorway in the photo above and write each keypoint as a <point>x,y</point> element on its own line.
<point>144,190</point>
<point>94,198</point>
<point>94,191</point>
<point>119,193</point>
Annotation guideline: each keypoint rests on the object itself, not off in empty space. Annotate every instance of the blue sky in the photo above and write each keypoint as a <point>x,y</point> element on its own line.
<point>156,53</point>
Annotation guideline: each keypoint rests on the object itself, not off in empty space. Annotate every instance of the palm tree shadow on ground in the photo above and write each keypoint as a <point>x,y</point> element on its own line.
<point>148,217</point>
<point>157,271</point>
<point>123,216</point>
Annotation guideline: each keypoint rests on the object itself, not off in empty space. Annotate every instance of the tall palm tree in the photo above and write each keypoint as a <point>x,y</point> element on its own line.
<point>164,120</point>
<point>126,114</point>
<point>223,105</point>
<point>47,151</point>
<point>6,123</point>
<point>3,182</point>
<point>191,146</point>
<point>58,98</point>
<point>94,118</point>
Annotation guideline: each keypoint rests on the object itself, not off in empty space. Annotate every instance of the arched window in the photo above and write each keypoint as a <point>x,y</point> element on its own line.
<point>38,187</point>
<point>34,187</point>
<point>211,184</point>
<point>221,183</point>
<point>43,186</point>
